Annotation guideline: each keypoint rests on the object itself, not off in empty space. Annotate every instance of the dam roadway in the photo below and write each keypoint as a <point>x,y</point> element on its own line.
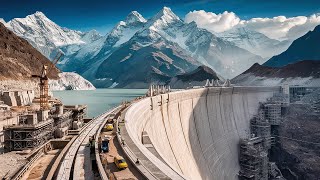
<point>194,133</point>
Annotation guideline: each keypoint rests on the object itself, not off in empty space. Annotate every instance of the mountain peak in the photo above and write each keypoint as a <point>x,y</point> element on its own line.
<point>166,14</point>
<point>2,21</point>
<point>134,17</point>
<point>39,14</point>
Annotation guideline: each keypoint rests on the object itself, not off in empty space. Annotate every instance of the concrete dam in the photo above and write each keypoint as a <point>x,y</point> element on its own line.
<point>194,134</point>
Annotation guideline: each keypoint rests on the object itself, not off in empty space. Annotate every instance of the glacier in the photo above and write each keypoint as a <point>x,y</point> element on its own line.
<point>70,81</point>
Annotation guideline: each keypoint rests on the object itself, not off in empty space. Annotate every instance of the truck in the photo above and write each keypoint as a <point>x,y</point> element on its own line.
<point>105,145</point>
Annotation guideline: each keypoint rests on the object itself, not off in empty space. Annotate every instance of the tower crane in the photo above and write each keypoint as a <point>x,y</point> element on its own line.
<point>44,84</point>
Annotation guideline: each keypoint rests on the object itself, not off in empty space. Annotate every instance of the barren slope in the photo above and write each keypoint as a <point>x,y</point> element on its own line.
<point>18,59</point>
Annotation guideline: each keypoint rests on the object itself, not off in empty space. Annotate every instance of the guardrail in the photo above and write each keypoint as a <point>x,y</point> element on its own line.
<point>58,160</point>
<point>73,150</point>
<point>131,156</point>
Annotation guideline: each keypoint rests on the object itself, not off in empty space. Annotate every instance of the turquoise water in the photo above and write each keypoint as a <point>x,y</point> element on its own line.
<point>98,100</point>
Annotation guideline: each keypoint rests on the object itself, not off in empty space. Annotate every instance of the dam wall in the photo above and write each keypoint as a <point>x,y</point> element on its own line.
<point>196,132</point>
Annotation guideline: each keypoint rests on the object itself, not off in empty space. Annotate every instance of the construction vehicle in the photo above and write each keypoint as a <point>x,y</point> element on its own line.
<point>44,86</point>
<point>105,145</point>
<point>120,162</point>
<point>109,127</point>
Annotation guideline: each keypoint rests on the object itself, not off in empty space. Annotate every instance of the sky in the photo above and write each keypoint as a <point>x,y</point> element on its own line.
<point>102,15</point>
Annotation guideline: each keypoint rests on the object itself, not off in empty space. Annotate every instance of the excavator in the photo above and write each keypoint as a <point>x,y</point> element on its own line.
<point>44,82</point>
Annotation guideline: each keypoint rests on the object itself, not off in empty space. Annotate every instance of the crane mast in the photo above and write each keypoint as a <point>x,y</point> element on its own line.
<point>44,82</point>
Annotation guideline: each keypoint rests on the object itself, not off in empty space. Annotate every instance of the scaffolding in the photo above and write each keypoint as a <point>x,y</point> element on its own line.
<point>25,136</point>
<point>253,159</point>
<point>296,93</point>
<point>273,113</point>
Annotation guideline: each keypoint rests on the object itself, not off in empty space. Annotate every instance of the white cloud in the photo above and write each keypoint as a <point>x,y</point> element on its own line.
<point>213,22</point>
<point>279,27</point>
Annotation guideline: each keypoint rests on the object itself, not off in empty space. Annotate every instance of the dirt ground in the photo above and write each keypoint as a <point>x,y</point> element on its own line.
<point>107,160</point>
<point>10,162</point>
<point>39,169</point>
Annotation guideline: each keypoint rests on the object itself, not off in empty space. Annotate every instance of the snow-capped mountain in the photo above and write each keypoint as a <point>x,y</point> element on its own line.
<point>255,42</point>
<point>166,46</point>
<point>222,56</point>
<point>305,47</point>
<point>136,65</point>
<point>3,21</point>
<point>165,40</point>
<point>90,55</point>
<point>47,36</point>
<point>298,65</point>
<point>90,36</point>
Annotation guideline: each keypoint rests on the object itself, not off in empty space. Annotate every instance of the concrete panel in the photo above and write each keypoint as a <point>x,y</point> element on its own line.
<point>197,131</point>
<point>9,98</point>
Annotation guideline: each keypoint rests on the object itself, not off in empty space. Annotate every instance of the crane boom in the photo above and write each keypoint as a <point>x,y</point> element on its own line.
<point>55,61</point>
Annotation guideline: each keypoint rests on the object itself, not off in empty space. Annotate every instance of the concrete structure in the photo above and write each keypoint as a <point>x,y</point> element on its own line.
<point>196,132</point>
<point>253,159</point>
<point>158,89</point>
<point>296,92</point>
<point>17,98</point>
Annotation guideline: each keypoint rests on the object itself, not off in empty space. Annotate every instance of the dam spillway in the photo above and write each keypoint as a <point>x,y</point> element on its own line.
<point>196,132</point>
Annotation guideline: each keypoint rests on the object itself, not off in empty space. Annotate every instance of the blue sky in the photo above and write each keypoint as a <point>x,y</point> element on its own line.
<point>102,15</point>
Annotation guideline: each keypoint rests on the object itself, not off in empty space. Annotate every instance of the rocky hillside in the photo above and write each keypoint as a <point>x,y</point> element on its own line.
<point>306,68</point>
<point>298,154</point>
<point>18,59</point>
<point>136,66</point>
<point>197,77</point>
<point>305,47</point>
<point>305,72</point>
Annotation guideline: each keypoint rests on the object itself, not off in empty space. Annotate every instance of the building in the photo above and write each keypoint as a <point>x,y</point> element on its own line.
<point>296,93</point>
<point>273,113</point>
<point>253,159</point>
<point>32,130</point>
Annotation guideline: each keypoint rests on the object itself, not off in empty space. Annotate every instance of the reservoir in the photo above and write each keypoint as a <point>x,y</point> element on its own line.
<point>98,100</point>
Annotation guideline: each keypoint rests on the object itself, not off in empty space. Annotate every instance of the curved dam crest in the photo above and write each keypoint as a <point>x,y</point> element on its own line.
<point>196,132</point>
